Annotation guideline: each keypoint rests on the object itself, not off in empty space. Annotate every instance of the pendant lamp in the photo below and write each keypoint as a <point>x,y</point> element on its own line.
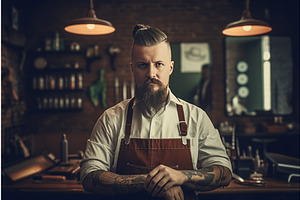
<point>90,25</point>
<point>247,26</point>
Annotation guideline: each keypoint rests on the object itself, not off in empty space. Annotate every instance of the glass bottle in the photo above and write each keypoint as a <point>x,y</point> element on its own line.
<point>64,149</point>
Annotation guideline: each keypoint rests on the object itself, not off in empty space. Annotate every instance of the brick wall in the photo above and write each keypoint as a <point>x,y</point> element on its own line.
<point>13,106</point>
<point>183,21</point>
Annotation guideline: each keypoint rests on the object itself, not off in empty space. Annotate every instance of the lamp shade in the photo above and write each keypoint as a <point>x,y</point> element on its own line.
<point>246,26</point>
<point>90,25</point>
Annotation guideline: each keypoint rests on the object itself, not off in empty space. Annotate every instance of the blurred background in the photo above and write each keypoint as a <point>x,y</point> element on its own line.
<point>54,82</point>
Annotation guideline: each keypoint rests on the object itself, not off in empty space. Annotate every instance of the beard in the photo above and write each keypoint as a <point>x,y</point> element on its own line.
<point>149,101</point>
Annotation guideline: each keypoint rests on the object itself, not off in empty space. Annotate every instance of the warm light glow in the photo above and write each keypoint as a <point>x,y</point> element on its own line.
<point>267,55</point>
<point>239,30</point>
<point>247,28</point>
<point>267,85</point>
<point>83,30</point>
<point>90,26</point>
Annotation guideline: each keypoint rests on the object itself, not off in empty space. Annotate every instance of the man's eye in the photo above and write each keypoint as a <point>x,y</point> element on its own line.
<point>160,64</point>
<point>142,65</point>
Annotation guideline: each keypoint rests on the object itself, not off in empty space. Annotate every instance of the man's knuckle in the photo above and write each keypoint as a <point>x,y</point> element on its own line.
<point>160,167</point>
<point>152,184</point>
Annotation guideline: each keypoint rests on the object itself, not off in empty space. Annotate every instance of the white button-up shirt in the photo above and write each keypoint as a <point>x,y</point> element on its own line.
<point>103,146</point>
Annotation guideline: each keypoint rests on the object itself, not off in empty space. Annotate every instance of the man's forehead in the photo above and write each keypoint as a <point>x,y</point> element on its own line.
<point>160,45</point>
<point>158,50</point>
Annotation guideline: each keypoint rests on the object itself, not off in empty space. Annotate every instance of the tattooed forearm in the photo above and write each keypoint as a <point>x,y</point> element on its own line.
<point>128,184</point>
<point>110,183</point>
<point>222,175</point>
<point>199,180</point>
<point>207,178</point>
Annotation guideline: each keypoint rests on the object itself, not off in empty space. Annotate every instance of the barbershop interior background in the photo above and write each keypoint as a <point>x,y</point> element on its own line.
<point>54,82</point>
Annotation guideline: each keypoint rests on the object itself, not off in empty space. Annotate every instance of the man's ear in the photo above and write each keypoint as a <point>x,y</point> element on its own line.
<point>171,67</point>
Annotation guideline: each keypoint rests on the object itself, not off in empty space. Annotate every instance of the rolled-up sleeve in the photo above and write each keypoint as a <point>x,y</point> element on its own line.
<point>97,157</point>
<point>99,153</point>
<point>211,148</point>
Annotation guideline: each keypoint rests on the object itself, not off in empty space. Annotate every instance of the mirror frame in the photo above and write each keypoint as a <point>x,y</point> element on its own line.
<point>258,113</point>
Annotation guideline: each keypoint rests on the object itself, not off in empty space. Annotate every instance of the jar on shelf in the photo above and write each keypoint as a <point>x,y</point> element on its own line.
<point>41,83</point>
<point>79,81</point>
<point>60,82</point>
<point>72,82</point>
<point>52,82</point>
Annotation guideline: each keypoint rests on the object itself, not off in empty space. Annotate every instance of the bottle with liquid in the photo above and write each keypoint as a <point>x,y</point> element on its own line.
<point>79,81</point>
<point>60,82</point>
<point>56,42</point>
<point>67,102</point>
<point>79,102</point>
<point>56,102</point>
<point>64,149</point>
<point>41,83</point>
<point>72,82</point>
<point>51,82</point>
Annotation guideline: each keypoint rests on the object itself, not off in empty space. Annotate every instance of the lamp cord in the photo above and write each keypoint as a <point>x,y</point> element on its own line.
<point>91,4</point>
<point>247,5</point>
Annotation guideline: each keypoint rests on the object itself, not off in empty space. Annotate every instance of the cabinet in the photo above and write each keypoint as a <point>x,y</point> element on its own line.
<point>57,80</point>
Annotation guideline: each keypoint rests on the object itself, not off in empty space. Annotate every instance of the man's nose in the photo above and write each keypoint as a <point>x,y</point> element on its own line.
<point>152,71</point>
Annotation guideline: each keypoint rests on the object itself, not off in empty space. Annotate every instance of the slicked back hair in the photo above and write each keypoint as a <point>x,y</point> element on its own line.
<point>144,35</point>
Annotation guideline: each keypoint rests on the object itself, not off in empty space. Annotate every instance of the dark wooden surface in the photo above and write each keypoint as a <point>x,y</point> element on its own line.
<point>72,189</point>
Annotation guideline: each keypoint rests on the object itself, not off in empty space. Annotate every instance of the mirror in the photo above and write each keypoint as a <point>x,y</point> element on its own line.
<point>259,73</point>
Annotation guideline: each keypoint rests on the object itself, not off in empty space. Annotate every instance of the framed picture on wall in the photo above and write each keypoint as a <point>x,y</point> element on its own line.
<point>194,56</point>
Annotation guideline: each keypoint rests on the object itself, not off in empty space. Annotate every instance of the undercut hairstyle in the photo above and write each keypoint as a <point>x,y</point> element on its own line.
<point>144,35</point>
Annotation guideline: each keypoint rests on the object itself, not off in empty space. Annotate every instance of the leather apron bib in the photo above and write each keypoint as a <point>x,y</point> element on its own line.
<point>140,156</point>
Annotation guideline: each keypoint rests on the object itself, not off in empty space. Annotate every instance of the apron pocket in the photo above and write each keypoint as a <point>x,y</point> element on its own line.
<point>148,168</point>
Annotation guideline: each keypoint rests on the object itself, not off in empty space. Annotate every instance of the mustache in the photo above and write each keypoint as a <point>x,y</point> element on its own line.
<point>152,80</point>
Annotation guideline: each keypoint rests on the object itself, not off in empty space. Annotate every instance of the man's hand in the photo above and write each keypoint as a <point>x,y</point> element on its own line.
<point>162,178</point>
<point>174,192</point>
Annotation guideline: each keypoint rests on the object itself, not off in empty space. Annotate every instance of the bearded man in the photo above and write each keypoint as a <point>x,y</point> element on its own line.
<point>154,145</point>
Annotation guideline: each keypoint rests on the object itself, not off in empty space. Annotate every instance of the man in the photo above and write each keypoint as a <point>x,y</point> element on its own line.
<point>203,96</point>
<point>154,142</point>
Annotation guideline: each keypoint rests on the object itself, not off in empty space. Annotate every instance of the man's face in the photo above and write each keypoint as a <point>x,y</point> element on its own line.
<point>152,62</point>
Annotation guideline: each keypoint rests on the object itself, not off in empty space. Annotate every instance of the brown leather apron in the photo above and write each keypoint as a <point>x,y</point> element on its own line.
<point>140,156</point>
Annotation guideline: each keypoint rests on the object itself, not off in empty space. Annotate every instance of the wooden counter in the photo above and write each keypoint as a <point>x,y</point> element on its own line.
<point>273,189</point>
<point>73,190</point>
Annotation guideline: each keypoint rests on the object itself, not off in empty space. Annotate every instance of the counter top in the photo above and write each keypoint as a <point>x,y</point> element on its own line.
<point>75,188</point>
<point>271,186</point>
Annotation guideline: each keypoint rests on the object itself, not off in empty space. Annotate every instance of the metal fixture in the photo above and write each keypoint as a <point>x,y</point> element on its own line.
<point>90,25</point>
<point>247,26</point>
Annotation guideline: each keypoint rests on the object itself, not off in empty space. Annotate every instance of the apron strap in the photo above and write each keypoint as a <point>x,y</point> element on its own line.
<point>128,121</point>
<point>182,124</point>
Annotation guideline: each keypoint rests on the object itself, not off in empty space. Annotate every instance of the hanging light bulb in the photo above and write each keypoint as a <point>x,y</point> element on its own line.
<point>247,26</point>
<point>90,25</point>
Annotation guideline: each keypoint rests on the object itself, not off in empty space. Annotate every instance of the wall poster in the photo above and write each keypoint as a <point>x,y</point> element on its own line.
<point>194,56</point>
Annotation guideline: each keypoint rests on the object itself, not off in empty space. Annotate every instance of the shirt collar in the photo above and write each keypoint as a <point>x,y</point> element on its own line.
<point>173,99</point>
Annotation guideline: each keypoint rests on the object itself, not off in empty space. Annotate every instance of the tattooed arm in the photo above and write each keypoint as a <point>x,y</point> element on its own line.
<point>162,178</point>
<point>208,178</point>
<point>109,183</point>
